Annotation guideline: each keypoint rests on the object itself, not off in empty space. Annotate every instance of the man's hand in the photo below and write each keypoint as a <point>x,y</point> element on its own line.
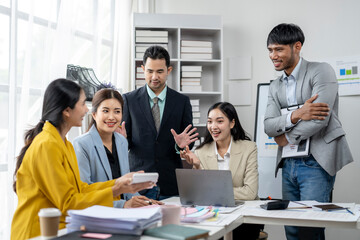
<point>186,137</point>
<point>311,111</point>
<point>281,140</point>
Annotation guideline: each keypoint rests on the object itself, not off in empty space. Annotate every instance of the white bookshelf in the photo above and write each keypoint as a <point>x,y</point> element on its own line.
<point>187,27</point>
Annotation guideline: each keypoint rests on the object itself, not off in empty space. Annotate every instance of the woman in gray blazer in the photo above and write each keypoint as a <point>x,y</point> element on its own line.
<point>102,152</point>
<point>227,147</point>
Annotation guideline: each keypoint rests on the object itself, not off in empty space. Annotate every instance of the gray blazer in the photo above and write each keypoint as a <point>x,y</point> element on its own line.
<point>328,144</point>
<point>93,162</point>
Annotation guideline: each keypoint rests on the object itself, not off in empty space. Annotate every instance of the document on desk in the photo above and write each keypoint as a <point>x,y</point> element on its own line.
<point>293,150</point>
<point>306,214</point>
<point>113,220</point>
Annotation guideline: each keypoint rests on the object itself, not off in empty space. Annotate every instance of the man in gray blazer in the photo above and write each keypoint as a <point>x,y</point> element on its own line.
<point>313,87</point>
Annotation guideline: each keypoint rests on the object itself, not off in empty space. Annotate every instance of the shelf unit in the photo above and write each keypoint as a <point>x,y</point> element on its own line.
<point>187,27</point>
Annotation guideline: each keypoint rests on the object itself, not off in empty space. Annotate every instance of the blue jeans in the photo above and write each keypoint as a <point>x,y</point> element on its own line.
<point>154,193</point>
<point>305,179</point>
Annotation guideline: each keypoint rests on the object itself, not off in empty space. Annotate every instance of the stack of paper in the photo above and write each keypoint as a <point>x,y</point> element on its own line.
<point>140,78</point>
<point>190,78</point>
<point>195,105</point>
<point>140,48</point>
<point>196,49</point>
<point>113,220</point>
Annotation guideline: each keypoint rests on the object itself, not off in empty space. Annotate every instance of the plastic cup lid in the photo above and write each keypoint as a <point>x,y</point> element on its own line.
<point>49,212</point>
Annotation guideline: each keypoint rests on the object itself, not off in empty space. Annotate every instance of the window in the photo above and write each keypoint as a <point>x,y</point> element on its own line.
<point>38,39</point>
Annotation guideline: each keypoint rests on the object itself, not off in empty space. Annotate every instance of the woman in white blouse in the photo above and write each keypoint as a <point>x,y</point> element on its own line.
<point>227,147</point>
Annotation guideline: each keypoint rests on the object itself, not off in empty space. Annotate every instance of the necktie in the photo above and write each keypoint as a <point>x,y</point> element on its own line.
<point>156,113</point>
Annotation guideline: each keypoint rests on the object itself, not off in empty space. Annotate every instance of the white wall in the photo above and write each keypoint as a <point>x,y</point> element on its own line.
<point>331,30</point>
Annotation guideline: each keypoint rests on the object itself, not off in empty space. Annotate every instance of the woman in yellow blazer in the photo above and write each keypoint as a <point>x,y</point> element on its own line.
<point>227,147</point>
<point>47,173</point>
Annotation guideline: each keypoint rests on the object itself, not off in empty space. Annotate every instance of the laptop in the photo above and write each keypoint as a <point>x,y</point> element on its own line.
<point>206,187</point>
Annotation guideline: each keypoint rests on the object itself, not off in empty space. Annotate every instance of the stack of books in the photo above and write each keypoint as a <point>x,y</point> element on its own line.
<point>190,78</point>
<point>131,221</point>
<point>195,104</point>
<point>139,78</point>
<point>147,38</point>
<point>196,49</point>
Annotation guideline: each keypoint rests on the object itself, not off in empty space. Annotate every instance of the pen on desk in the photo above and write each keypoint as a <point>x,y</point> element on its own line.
<point>300,203</point>
<point>349,211</point>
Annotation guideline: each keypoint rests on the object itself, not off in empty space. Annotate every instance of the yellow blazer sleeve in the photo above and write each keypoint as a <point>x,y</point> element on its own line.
<point>57,175</point>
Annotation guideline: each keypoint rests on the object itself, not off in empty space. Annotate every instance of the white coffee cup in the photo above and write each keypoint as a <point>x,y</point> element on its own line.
<point>170,214</point>
<point>49,222</point>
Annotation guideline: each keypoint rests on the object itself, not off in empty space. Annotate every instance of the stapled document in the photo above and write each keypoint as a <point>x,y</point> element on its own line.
<point>293,150</point>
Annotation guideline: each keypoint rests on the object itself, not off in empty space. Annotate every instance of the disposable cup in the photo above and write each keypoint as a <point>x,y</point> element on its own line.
<point>49,222</point>
<point>170,214</point>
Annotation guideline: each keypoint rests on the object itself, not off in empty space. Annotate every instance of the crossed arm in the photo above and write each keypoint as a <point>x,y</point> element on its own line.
<point>314,114</point>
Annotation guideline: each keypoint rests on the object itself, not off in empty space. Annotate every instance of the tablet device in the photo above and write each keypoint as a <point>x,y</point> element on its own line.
<point>145,177</point>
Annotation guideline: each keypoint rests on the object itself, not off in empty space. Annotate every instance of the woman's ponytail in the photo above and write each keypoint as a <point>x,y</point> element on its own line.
<point>29,137</point>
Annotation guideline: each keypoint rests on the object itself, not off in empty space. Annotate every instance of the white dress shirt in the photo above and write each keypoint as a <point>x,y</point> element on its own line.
<point>223,163</point>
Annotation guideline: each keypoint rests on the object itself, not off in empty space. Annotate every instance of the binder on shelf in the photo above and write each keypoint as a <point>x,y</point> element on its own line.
<point>192,43</point>
<point>151,33</point>
<point>196,55</point>
<point>191,68</point>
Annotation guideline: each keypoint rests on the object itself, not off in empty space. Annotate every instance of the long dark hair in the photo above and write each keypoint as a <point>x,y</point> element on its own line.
<point>59,95</point>
<point>237,132</point>
<point>102,95</point>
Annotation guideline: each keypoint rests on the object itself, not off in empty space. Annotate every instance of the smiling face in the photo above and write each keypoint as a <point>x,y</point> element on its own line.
<point>75,116</point>
<point>156,74</point>
<point>219,125</point>
<point>108,116</point>
<point>285,57</point>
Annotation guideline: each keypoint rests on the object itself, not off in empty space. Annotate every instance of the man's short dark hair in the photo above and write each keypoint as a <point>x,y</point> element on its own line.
<point>157,52</point>
<point>286,34</point>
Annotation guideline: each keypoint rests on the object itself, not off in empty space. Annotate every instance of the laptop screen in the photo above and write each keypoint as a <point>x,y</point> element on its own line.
<point>205,187</point>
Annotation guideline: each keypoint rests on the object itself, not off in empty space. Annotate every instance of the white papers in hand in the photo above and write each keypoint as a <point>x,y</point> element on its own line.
<point>293,150</point>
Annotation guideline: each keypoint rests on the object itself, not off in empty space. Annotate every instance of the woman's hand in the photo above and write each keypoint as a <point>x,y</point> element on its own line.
<point>140,201</point>
<point>123,185</point>
<point>190,157</point>
<point>121,129</point>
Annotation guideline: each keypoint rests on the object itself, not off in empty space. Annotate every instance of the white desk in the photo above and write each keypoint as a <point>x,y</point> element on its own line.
<point>218,231</point>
